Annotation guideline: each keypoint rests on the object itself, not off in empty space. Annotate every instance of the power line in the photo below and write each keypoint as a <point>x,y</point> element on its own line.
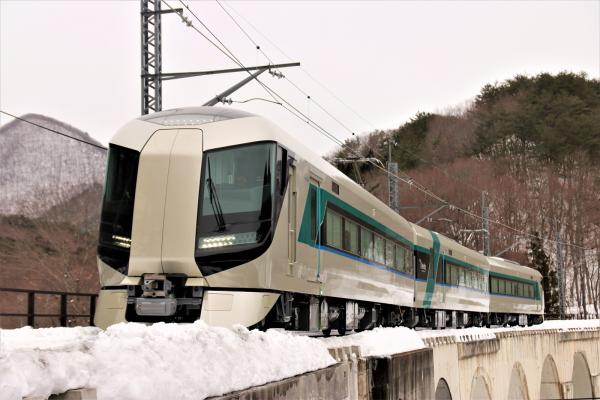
<point>244,32</point>
<point>331,93</point>
<point>54,131</point>
<point>332,137</point>
<point>352,110</point>
<point>411,182</point>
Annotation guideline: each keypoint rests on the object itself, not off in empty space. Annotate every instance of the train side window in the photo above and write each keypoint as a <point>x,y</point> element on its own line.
<point>366,243</point>
<point>422,265</point>
<point>379,249</point>
<point>495,285</point>
<point>455,275</point>
<point>409,261</point>
<point>350,236</point>
<point>400,254</point>
<point>389,253</point>
<point>439,278</point>
<point>530,291</point>
<point>521,290</point>
<point>462,276</point>
<point>447,275</point>
<point>468,280</point>
<point>333,229</point>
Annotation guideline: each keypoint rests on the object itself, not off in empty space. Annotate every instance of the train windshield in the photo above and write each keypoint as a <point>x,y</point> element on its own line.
<point>237,189</point>
<point>117,207</point>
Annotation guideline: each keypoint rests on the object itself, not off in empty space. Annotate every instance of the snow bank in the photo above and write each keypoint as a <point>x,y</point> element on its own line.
<point>388,341</point>
<point>379,341</point>
<point>461,335</point>
<point>569,324</point>
<point>161,361</point>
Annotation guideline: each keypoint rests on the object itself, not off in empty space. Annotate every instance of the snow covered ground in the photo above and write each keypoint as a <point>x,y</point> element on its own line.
<point>379,341</point>
<point>162,361</point>
<point>193,361</point>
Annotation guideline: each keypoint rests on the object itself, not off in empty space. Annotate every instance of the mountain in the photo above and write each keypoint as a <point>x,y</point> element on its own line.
<point>40,170</point>
<point>50,194</point>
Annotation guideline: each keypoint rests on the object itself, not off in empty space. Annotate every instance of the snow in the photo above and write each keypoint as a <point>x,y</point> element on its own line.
<point>461,335</point>
<point>191,361</point>
<point>160,361</point>
<point>379,341</point>
<point>569,324</point>
<point>470,334</point>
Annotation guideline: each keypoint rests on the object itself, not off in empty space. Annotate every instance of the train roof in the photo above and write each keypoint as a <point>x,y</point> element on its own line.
<point>194,115</point>
<point>502,265</point>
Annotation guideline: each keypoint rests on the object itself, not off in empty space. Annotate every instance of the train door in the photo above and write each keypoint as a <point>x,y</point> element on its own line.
<point>316,219</point>
<point>292,216</point>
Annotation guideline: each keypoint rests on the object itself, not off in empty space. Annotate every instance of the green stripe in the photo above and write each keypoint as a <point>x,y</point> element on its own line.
<point>323,198</point>
<point>432,271</point>
<point>518,279</point>
<point>422,249</point>
<point>465,264</point>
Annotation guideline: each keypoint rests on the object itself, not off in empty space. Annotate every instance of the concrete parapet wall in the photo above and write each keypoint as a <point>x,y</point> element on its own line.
<point>407,376</point>
<point>519,364</point>
<point>327,383</point>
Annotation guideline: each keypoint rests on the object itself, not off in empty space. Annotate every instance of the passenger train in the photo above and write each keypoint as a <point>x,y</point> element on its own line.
<point>218,215</point>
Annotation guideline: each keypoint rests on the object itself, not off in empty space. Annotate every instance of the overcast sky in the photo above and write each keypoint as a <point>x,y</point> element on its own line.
<point>79,61</point>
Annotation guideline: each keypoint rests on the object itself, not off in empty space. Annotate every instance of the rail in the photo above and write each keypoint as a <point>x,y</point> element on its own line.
<point>63,315</point>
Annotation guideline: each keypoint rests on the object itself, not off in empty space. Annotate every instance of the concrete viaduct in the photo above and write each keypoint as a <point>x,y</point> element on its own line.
<point>520,364</point>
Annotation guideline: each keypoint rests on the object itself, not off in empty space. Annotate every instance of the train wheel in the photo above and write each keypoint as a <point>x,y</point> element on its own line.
<point>326,332</point>
<point>342,331</point>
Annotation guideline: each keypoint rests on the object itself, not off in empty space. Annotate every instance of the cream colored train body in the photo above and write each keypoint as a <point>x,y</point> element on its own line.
<point>219,215</point>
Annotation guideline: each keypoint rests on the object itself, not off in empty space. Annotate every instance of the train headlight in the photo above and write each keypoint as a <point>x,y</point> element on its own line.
<point>121,241</point>
<point>227,240</point>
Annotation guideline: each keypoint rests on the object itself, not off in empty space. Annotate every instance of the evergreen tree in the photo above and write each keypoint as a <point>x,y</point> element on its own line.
<point>539,260</point>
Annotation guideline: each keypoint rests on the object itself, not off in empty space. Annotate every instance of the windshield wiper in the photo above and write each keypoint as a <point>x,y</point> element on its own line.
<point>214,200</point>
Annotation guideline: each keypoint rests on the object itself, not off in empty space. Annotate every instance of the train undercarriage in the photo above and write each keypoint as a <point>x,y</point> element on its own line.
<point>167,299</point>
<point>311,313</point>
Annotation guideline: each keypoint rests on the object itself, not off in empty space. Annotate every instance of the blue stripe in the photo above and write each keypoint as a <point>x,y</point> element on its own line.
<point>364,261</point>
<point>512,295</point>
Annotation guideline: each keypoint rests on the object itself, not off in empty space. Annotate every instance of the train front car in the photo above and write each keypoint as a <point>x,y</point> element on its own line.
<point>516,295</point>
<point>192,201</point>
<point>451,282</point>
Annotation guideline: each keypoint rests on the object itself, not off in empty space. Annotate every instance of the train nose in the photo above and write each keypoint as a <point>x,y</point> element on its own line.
<point>166,204</point>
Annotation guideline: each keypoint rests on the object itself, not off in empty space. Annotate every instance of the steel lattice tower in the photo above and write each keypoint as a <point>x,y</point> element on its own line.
<point>151,56</point>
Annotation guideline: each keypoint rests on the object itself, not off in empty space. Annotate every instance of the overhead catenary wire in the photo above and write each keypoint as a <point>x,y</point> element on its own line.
<point>54,131</point>
<point>244,32</point>
<point>297,113</point>
<point>330,92</point>
<point>411,182</point>
<point>322,85</point>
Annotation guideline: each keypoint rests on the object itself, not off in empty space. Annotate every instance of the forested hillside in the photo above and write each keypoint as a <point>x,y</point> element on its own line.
<point>533,145</point>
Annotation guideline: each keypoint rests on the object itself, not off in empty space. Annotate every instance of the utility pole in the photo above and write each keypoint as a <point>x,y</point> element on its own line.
<point>392,168</point>
<point>485,224</point>
<point>151,71</point>
<point>560,268</point>
<point>151,54</point>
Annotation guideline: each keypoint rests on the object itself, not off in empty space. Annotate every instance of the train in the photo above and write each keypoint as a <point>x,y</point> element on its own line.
<point>216,214</point>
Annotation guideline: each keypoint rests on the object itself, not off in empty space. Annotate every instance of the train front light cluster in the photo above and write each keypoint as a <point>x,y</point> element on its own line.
<point>121,241</point>
<point>227,240</point>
